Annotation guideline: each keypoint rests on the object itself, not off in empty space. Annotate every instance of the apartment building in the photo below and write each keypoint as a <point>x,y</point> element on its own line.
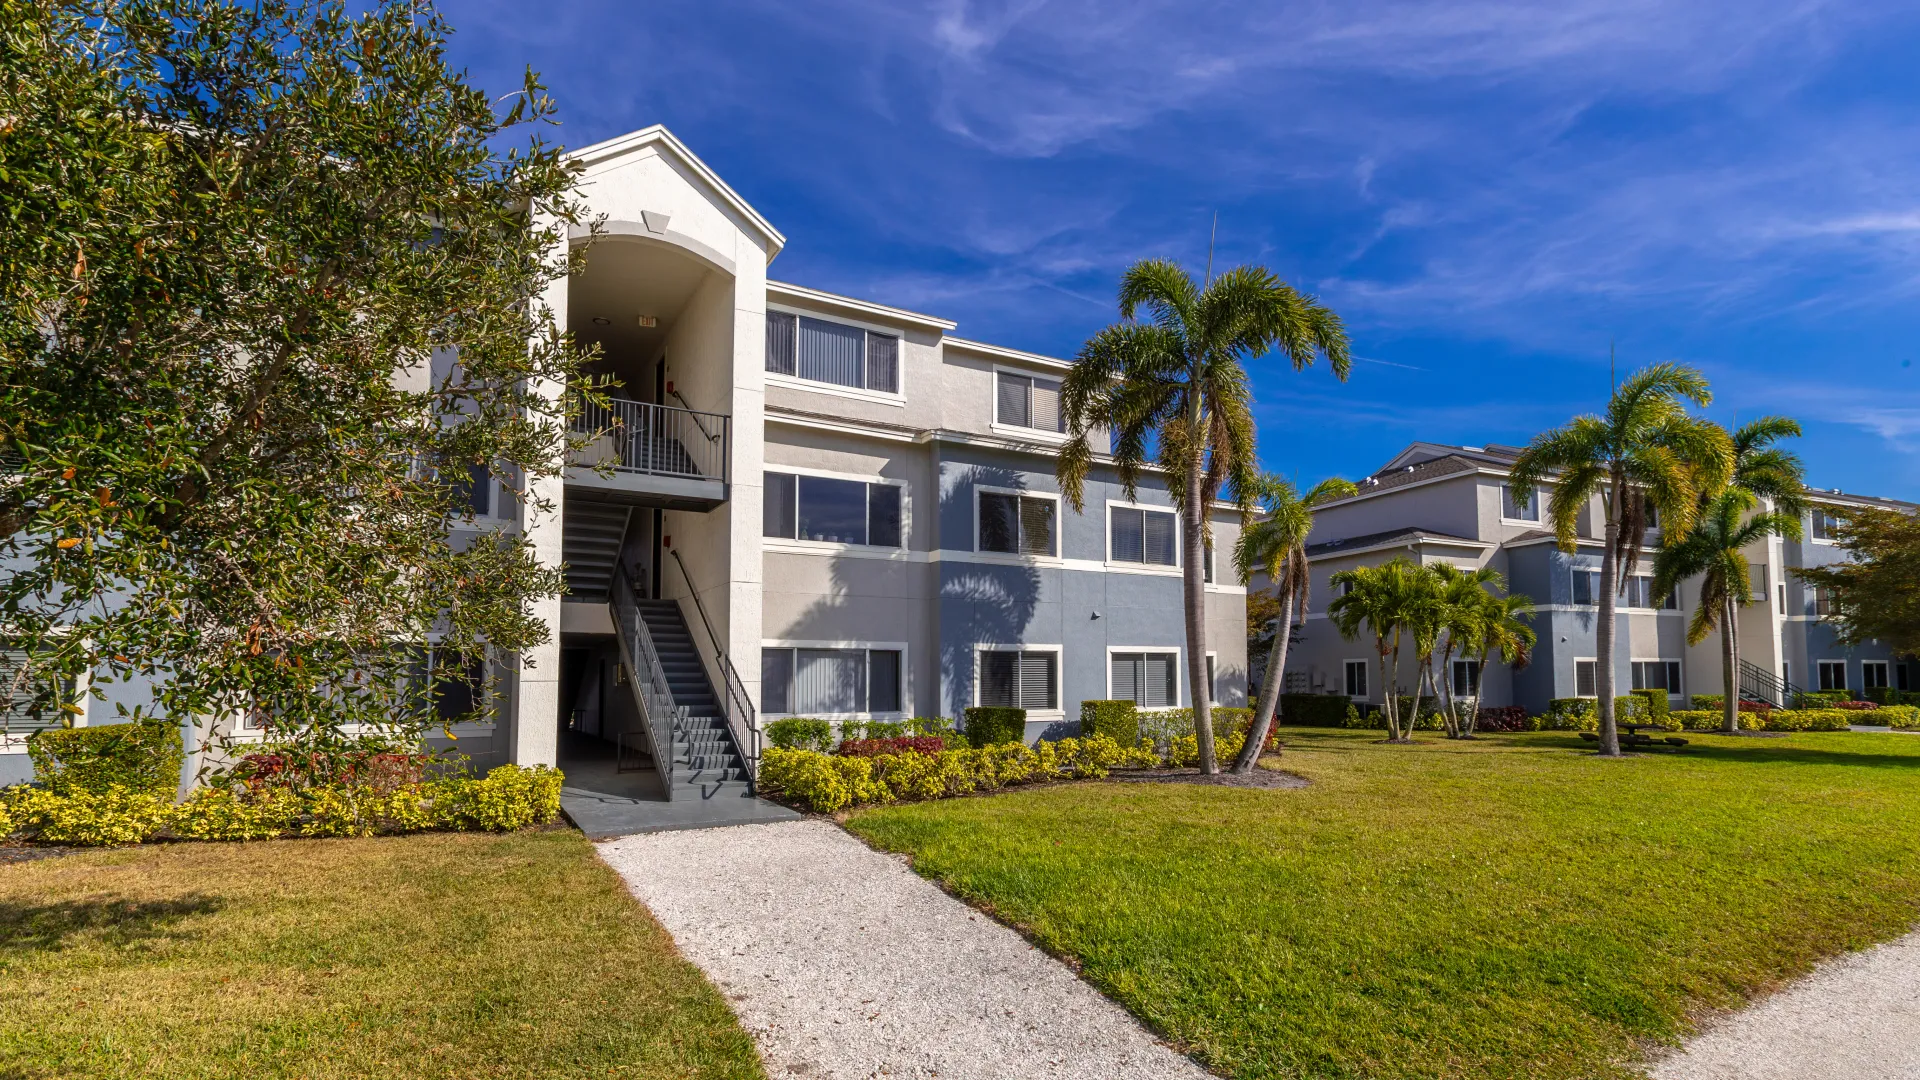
<point>806,504</point>
<point>1438,503</point>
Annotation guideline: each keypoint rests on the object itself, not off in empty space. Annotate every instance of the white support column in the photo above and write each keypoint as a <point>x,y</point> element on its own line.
<point>535,735</point>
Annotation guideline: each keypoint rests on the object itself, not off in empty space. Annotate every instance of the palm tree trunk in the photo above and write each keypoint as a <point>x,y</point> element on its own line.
<point>1444,689</point>
<point>1603,632</point>
<point>1728,663</point>
<point>1196,606</point>
<point>1270,693</point>
<point>1390,690</point>
<point>1479,692</point>
<point>1422,671</point>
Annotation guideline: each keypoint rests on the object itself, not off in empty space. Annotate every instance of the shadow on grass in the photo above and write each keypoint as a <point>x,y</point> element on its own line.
<point>45,927</point>
<point>1735,749</point>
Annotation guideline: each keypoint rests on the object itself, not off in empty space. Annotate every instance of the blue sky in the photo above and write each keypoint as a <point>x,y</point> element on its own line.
<point>1487,194</point>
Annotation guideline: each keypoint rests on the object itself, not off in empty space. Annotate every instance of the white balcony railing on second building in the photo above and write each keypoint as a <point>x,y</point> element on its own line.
<point>658,440</point>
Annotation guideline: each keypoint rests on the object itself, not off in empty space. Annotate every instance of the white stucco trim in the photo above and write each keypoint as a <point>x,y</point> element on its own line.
<point>657,135</point>
<point>790,291</point>
<point>1001,352</point>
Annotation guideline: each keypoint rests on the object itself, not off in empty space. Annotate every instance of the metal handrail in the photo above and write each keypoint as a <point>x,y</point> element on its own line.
<point>658,440</point>
<point>659,712</point>
<point>1760,684</point>
<point>739,705</point>
<point>695,413</point>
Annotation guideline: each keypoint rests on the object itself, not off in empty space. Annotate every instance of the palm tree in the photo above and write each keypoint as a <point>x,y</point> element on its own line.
<point>1714,548</point>
<point>1463,613</point>
<point>1277,545</point>
<point>1645,451</point>
<point>1173,387</point>
<point>1382,598</point>
<point>1504,627</point>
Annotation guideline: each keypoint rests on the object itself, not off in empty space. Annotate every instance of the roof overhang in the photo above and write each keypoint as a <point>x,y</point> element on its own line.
<point>659,138</point>
<point>1001,352</point>
<point>789,291</point>
<point>1409,543</point>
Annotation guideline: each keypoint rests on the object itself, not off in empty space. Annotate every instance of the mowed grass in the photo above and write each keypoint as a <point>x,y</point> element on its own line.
<point>1511,907</point>
<point>468,956</point>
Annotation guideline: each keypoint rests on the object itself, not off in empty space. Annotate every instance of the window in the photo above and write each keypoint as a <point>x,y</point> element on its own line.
<point>833,681</point>
<point>829,352</point>
<point>1342,588</point>
<point>1016,524</point>
<point>1757,578</point>
<point>1873,673</point>
<point>473,491</point>
<point>1511,509</point>
<point>1141,536</point>
<point>1783,597</point>
<point>1206,569</point>
<point>1466,678</point>
<point>1900,677</point>
<point>1637,594</point>
<point>1148,679</point>
<point>1651,514</point>
<point>1356,672</point>
<point>1833,674</point>
<point>1019,680</point>
<point>1821,525</point>
<point>1786,673</point>
<point>831,510</point>
<point>1586,587</point>
<point>459,685</point>
<point>1822,601</point>
<point>1213,694</point>
<point>18,711</point>
<point>1586,678</point>
<point>1657,675</point>
<point>1028,402</point>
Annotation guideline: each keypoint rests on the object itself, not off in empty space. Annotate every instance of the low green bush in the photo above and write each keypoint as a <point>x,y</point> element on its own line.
<point>1898,717</point>
<point>872,729</point>
<point>1571,714</point>
<point>1656,705</point>
<point>1117,720</point>
<point>1711,719</point>
<point>1819,699</point>
<point>939,727</point>
<point>142,756</point>
<point>992,725</point>
<point>1314,710</point>
<point>509,797</point>
<point>800,733</point>
<point>1809,720</point>
<point>826,784</point>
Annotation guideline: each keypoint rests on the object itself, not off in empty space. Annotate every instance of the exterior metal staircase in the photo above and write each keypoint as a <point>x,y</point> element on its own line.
<point>1759,684</point>
<point>591,535</point>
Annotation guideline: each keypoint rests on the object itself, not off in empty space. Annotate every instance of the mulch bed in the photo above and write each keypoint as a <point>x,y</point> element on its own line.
<point>1258,778</point>
<point>19,853</point>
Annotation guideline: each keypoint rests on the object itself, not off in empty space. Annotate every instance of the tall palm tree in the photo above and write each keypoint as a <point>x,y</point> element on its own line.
<point>1384,599</point>
<point>1644,451</point>
<point>1277,545</point>
<point>1505,627</point>
<point>1713,548</point>
<point>1172,387</point>
<point>1463,614</point>
<point>1716,549</point>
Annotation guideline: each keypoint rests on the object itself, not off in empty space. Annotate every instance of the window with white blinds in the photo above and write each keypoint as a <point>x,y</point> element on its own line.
<point>1148,679</point>
<point>1019,679</point>
<point>1141,536</point>
<point>809,682</point>
<point>24,706</point>
<point>1028,402</point>
<point>831,352</point>
<point>1017,524</point>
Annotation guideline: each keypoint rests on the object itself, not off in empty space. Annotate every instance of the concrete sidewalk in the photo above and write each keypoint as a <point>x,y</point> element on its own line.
<point>844,963</point>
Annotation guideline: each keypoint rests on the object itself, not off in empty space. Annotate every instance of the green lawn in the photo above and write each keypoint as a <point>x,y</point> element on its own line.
<point>1513,907</point>
<point>464,956</point>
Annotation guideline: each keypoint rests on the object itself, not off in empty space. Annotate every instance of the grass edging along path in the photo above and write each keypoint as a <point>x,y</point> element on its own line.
<point>1509,907</point>
<point>435,955</point>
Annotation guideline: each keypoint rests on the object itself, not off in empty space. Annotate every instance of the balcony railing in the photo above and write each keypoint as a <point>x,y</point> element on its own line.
<point>657,440</point>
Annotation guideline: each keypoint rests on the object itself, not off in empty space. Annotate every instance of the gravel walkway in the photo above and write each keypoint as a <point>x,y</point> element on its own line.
<point>1856,1017</point>
<point>845,964</point>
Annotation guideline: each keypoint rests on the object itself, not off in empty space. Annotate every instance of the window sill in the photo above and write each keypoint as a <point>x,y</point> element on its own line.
<point>1008,558</point>
<point>1534,524</point>
<point>795,382</point>
<point>1152,569</point>
<point>1015,431</point>
<point>823,547</point>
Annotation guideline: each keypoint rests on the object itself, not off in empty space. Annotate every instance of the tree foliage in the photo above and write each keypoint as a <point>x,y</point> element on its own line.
<point>242,242</point>
<point>1875,595</point>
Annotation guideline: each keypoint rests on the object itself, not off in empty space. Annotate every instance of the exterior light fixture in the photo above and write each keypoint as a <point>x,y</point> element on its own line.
<point>602,320</point>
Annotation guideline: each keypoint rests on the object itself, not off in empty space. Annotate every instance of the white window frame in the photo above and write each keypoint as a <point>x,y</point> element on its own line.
<point>1059,674</point>
<point>1818,665</point>
<point>1014,558</point>
<point>1538,507</point>
<point>1181,692</point>
<point>829,547</point>
<point>1015,430</point>
<point>1813,513</point>
<point>1886,673</point>
<point>1671,692</point>
<point>1479,677</point>
<point>1155,569</point>
<point>1595,661</point>
<point>16,742</point>
<point>795,382</point>
<point>1213,678</point>
<point>1366,666</point>
<point>906,676</point>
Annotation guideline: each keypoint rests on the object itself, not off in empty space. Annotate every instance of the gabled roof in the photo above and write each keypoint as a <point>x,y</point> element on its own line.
<point>1408,537</point>
<point>658,136</point>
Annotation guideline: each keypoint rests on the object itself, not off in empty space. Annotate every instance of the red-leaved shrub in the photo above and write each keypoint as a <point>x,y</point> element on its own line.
<point>1502,718</point>
<point>910,744</point>
<point>1859,705</point>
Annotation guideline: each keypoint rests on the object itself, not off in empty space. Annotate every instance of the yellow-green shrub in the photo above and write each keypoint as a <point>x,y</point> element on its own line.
<point>1899,717</point>
<point>827,783</point>
<point>220,814</point>
<point>1809,720</point>
<point>117,815</point>
<point>509,797</point>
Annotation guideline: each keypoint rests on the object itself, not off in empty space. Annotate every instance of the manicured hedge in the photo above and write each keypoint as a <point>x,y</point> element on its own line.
<point>1117,720</point>
<point>1887,695</point>
<point>1315,710</point>
<point>1718,702</point>
<point>1819,699</point>
<point>800,733</point>
<point>1583,714</point>
<point>991,725</point>
<point>1774,720</point>
<point>509,797</point>
<point>916,744</point>
<point>826,783</point>
<point>1656,704</point>
<point>144,756</point>
<point>1898,717</point>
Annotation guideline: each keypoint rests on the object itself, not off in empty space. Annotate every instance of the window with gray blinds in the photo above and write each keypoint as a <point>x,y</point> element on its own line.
<point>1019,680</point>
<point>1141,536</point>
<point>831,352</point>
<point>1148,679</point>
<point>19,689</point>
<point>1028,402</point>
<point>810,682</point>
<point>1017,524</point>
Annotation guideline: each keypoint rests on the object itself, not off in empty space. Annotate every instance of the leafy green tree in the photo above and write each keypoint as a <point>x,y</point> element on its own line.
<point>1876,593</point>
<point>1171,389</point>
<point>1644,451</point>
<point>1276,545</point>
<point>1715,548</point>
<point>1387,601</point>
<point>239,234</point>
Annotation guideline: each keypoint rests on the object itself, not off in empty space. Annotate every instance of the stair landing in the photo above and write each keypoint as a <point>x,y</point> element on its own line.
<point>603,817</point>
